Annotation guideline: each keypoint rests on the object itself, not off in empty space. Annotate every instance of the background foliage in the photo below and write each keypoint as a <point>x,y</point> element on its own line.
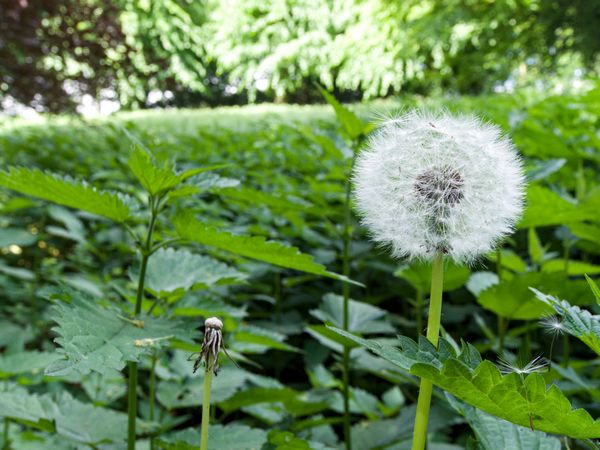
<point>234,51</point>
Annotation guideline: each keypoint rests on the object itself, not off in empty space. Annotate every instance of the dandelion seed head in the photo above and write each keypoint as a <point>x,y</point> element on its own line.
<point>435,182</point>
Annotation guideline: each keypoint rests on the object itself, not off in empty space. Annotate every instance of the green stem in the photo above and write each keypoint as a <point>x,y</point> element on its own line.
<point>205,409</point>
<point>419,311</point>
<point>133,366</point>
<point>433,332</point>
<point>346,296</point>
<point>152,394</point>
<point>501,321</point>
<point>6,443</point>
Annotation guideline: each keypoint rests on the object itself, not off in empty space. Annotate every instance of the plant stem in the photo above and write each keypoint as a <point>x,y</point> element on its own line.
<point>133,366</point>
<point>419,311</point>
<point>6,443</point>
<point>433,331</point>
<point>346,295</point>
<point>205,409</point>
<point>501,321</point>
<point>152,394</point>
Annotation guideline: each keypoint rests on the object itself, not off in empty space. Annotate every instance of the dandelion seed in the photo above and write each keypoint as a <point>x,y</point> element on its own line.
<point>552,325</point>
<point>437,183</point>
<point>537,365</point>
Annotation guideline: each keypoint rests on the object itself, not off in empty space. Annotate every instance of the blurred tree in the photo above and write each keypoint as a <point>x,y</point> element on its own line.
<point>184,52</point>
<point>54,50</point>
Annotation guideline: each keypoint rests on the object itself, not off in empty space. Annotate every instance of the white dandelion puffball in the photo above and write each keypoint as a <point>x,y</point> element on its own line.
<point>429,183</point>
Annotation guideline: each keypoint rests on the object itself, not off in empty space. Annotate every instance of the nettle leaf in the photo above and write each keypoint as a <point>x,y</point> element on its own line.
<point>100,339</point>
<point>295,402</point>
<point>222,437</point>
<point>362,317</point>
<point>576,321</point>
<point>512,298</point>
<point>172,270</point>
<point>480,384</point>
<point>351,124</point>
<point>276,202</point>
<point>594,287</point>
<point>546,207</point>
<point>65,191</point>
<point>493,433</point>
<point>253,339</point>
<point>64,415</point>
<point>26,362</point>
<point>418,275</point>
<point>254,247</point>
<point>153,178</point>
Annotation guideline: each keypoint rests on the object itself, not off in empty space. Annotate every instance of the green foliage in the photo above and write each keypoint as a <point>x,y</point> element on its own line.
<point>575,321</point>
<point>231,437</point>
<point>493,433</point>
<point>480,383</point>
<point>64,191</point>
<point>102,340</point>
<point>255,247</point>
<point>171,271</point>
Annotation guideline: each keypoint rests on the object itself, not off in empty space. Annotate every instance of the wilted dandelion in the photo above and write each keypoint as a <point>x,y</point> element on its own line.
<point>430,183</point>
<point>434,185</point>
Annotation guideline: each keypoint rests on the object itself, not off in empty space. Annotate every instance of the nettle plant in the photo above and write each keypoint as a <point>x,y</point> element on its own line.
<point>438,188</point>
<point>103,337</point>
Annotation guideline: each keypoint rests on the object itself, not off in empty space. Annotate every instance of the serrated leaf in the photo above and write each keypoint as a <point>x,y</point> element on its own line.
<point>65,416</point>
<point>351,124</point>
<point>64,191</point>
<point>511,298</point>
<point>594,287</point>
<point>497,434</point>
<point>222,437</point>
<point>481,384</point>
<point>254,247</point>
<point>102,340</point>
<point>153,178</point>
<point>576,321</point>
<point>171,270</point>
<point>545,207</point>
<point>418,274</point>
<point>26,362</point>
<point>362,317</point>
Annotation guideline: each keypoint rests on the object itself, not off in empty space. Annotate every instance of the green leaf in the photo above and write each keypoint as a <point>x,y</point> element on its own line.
<point>99,339</point>
<point>536,251</point>
<point>418,274</point>
<point>573,267</point>
<point>576,321</point>
<point>64,191</point>
<point>480,384</point>
<point>511,298</point>
<point>546,207</point>
<point>352,125</point>
<point>544,168</point>
<point>255,247</point>
<point>16,236</point>
<point>594,287</point>
<point>153,178</point>
<point>221,437</point>
<point>172,270</point>
<point>253,339</point>
<point>362,317</point>
<point>65,416</point>
<point>294,401</point>
<point>26,362</point>
<point>257,197</point>
<point>493,433</point>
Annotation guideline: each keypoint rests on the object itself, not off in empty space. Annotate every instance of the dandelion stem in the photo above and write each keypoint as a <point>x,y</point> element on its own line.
<point>501,321</point>
<point>419,311</point>
<point>208,374</point>
<point>346,295</point>
<point>433,332</point>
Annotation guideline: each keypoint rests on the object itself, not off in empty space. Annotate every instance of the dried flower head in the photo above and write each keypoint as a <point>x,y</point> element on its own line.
<point>432,183</point>
<point>211,346</point>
